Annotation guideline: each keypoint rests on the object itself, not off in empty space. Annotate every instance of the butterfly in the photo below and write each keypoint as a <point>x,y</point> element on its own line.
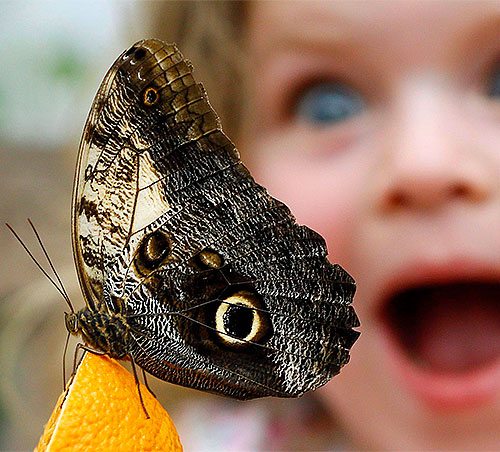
<point>188,267</point>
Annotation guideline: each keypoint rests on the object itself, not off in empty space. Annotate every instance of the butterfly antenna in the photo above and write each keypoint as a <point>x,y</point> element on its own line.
<point>33,258</point>
<point>49,260</point>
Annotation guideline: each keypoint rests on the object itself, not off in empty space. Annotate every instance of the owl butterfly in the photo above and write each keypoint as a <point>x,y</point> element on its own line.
<point>188,267</point>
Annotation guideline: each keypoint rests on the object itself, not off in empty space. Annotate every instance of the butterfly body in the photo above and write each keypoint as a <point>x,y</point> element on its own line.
<point>187,265</point>
<point>101,331</point>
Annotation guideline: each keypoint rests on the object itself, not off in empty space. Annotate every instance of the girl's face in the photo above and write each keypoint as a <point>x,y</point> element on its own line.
<point>378,123</point>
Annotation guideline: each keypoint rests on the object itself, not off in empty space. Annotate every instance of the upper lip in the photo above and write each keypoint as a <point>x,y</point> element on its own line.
<point>447,271</point>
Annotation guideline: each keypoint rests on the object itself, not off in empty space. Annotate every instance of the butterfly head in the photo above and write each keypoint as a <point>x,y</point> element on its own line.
<point>72,322</point>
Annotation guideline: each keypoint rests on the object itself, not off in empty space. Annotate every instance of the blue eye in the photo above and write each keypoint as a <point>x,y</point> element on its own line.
<point>494,82</point>
<point>328,103</point>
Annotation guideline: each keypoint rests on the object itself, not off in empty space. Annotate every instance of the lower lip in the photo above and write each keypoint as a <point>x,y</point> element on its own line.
<point>444,391</point>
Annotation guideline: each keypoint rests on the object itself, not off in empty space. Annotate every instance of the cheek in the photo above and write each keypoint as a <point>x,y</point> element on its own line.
<point>323,192</point>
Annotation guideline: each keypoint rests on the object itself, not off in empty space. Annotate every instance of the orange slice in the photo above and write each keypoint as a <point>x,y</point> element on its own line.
<point>101,410</point>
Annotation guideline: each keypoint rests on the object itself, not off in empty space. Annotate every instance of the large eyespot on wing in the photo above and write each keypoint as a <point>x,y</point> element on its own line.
<point>147,108</point>
<point>240,321</point>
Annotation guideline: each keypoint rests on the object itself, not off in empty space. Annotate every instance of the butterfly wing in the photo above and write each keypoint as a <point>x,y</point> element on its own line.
<point>222,290</point>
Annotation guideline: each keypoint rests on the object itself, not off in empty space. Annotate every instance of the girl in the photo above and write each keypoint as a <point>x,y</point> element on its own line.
<point>378,123</point>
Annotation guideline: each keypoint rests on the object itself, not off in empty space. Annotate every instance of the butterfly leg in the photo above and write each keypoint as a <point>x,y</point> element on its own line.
<point>64,360</point>
<point>138,384</point>
<point>144,376</point>
<point>75,358</point>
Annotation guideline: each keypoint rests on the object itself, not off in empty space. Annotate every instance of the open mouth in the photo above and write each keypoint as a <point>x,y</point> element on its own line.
<point>448,328</point>
<point>446,338</point>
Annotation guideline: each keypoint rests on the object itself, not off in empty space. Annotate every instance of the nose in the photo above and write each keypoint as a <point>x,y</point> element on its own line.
<point>429,155</point>
<point>421,181</point>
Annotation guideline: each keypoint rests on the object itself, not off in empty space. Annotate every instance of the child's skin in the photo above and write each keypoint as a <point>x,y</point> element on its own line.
<point>401,175</point>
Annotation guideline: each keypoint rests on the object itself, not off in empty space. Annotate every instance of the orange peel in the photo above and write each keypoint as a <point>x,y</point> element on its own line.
<point>101,410</point>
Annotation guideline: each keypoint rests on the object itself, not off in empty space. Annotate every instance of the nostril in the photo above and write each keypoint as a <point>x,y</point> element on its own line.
<point>396,199</point>
<point>468,192</point>
<point>460,190</point>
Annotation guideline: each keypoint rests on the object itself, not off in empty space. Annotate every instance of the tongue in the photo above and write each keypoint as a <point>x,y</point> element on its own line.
<point>456,328</point>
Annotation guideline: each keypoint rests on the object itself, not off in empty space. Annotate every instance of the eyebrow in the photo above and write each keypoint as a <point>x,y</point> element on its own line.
<point>323,37</point>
